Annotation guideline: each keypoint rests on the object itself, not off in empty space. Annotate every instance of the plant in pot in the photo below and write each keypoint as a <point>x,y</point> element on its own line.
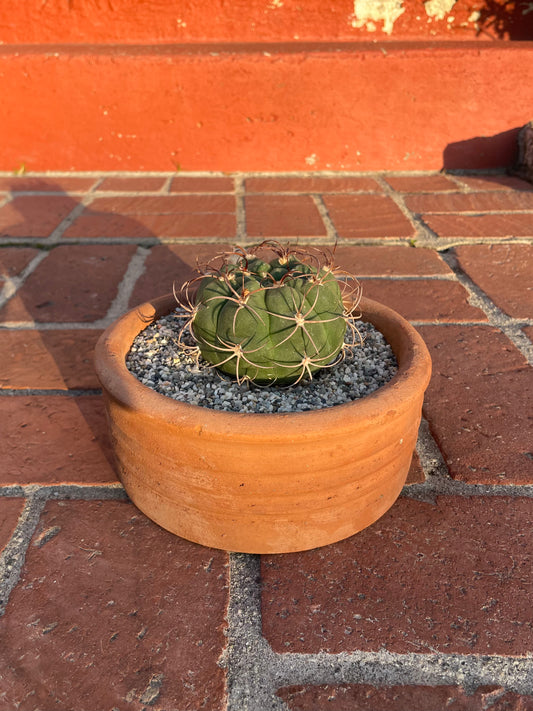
<point>269,318</point>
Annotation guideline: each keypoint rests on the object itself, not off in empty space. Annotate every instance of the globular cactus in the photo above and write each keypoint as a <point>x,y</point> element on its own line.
<point>271,321</point>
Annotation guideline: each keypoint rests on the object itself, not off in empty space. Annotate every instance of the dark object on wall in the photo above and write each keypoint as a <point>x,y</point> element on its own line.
<point>524,165</point>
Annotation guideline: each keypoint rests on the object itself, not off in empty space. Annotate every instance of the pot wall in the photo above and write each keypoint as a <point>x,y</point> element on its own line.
<point>263,483</point>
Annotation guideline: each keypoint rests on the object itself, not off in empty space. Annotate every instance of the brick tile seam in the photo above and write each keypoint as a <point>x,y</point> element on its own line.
<point>134,270</point>
<point>437,244</point>
<point>12,284</point>
<point>13,556</point>
<point>240,209</point>
<point>495,316</point>
<point>56,234</point>
<point>331,232</point>
<point>514,323</point>
<point>399,200</point>
<point>255,671</point>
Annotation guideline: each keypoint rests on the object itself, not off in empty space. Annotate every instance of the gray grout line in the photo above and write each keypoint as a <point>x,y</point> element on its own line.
<point>240,210</point>
<point>68,492</point>
<point>125,289</point>
<point>101,323</point>
<point>438,244</point>
<point>14,554</point>
<point>57,234</point>
<point>415,668</point>
<point>165,188</point>
<point>331,232</point>
<point>71,392</point>
<point>255,672</point>
<point>12,284</point>
<point>495,316</point>
<point>421,234</point>
<point>440,483</point>
<point>248,658</point>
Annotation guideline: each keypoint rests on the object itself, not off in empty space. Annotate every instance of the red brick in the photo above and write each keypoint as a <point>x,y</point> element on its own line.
<point>97,226</point>
<point>478,404</point>
<point>528,330</point>
<point>363,697</point>
<point>416,473</point>
<point>34,215</point>
<point>504,273</point>
<point>494,182</point>
<point>162,204</point>
<point>314,184</point>
<point>450,577</point>
<point>420,183</point>
<point>73,283</point>
<point>197,184</point>
<point>516,224</point>
<point>113,612</point>
<point>390,261</point>
<point>505,201</point>
<point>169,266</point>
<point>143,217</point>
<point>46,184</point>
<point>54,439</point>
<point>48,359</point>
<point>282,216</point>
<point>424,299</point>
<point>367,216</point>
<point>14,259</point>
<point>10,510</point>
<point>133,184</point>
<point>219,225</point>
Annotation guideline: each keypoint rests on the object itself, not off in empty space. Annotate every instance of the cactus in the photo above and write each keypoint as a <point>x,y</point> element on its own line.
<point>270,321</point>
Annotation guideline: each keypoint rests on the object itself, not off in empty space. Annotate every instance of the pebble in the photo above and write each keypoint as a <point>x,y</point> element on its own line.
<point>158,361</point>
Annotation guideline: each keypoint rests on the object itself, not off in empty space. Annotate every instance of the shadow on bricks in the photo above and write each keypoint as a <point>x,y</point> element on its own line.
<point>71,293</point>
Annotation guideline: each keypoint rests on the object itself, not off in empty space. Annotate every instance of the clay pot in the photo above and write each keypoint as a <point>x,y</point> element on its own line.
<point>263,483</point>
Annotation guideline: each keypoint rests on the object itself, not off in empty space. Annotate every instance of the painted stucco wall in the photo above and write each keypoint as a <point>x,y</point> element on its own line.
<point>169,21</point>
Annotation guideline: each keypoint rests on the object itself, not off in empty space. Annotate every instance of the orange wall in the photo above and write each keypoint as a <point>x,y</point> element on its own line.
<point>157,21</point>
<point>368,107</point>
<point>263,84</point>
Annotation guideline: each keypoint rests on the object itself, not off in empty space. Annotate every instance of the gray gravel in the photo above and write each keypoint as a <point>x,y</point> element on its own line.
<point>157,360</point>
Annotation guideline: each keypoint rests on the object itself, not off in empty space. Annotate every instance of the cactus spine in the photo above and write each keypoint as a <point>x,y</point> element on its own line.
<point>275,320</point>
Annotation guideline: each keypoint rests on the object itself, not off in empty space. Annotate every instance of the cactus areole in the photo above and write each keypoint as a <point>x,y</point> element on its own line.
<point>272,320</point>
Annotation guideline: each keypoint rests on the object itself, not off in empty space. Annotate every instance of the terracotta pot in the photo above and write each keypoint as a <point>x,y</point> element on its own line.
<point>263,483</point>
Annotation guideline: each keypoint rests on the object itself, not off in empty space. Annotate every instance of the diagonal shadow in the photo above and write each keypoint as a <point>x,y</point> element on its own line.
<point>52,293</point>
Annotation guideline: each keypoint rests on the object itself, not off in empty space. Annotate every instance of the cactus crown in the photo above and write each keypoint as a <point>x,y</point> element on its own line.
<point>271,314</point>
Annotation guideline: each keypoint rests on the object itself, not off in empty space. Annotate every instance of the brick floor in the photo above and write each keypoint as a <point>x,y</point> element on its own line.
<point>11,510</point>
<point>55,359</point>
<point>426,578</point>
<point>475,404</point>
<point>367,216</point>
<point>363,697</point>
<point>503,272</point>
<point>34,215</point>
<point>428,609</point>
<point>14,260</point>
<point>54,439</point>
<point>99,621</point>
<point>73,283</point>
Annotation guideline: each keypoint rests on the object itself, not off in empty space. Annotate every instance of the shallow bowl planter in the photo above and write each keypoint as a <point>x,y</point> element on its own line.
<point>263,483</point>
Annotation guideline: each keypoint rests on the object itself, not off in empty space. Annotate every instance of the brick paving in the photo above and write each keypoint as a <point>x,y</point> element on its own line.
<point>429,609</point>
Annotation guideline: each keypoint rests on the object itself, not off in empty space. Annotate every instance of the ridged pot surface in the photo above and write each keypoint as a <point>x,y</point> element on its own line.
<point>263,483</point>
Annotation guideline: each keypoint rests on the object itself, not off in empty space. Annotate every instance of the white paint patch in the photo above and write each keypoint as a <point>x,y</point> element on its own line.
<point>474,17</point>
<point>367,12</point>
<point>438,9</point>
<point>311,160</point>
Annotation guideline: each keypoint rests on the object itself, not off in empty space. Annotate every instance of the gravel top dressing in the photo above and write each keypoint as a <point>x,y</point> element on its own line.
<point>158,361</point>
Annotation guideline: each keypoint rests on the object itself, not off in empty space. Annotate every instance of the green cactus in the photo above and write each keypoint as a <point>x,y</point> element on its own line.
<point>274,321</point>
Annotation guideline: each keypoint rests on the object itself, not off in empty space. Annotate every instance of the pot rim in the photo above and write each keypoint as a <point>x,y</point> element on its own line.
<point>409,383</point>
